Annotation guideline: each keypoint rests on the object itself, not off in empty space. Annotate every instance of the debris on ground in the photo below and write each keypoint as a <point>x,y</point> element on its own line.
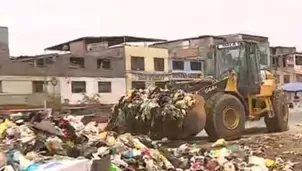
<point>58,143</point>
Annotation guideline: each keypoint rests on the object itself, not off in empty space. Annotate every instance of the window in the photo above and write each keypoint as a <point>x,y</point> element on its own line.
<point>40,62</point>
<point>38,86</point>
<point>138,85</point>
<point>178,65</point>
<point>275,62</point>
<point>196,66</point>
<point>273,51</point>
<point>104,63</point>
<point>159,64</point>
<point>160,84</point>
<point>104,86</point>
<point>185,44</point>
<point>50,60</point>
<point>137,63</point>
<point>78,87</point>
<point>284,62</point>
<point>299,77</point>
<point>290,62</point>
<point>286,79</point>
<point>77,62</point>
<point>298,60</point>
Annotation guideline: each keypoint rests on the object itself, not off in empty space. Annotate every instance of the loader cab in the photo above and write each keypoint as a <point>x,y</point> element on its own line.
<point>243,57</point>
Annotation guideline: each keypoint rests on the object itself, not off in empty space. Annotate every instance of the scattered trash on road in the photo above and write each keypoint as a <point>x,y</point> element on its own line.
<point>65,143</point>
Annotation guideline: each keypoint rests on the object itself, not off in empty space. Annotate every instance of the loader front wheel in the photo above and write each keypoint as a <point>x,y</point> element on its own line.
<point>225,117</point>
<point>278,123</point>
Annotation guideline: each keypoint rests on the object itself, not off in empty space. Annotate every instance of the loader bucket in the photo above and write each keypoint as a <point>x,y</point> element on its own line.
<point>192,124</point>
<point>161,126</point>
<point>196,119</point>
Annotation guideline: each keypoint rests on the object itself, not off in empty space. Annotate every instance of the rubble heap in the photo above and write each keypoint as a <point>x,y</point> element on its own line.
<point>146,111</point>
<point>51,143</point>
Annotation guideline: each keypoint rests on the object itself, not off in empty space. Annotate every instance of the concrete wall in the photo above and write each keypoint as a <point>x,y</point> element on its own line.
<point>18,90</point>
<point>117,86</point>
<point>189,42</point>
<point>61,66</point>
<point>281,50</point>
<point>281,74</point>
<point>23,85</point>
<point>202,43</point>
<point>77,48</point>
<point>149,53</point>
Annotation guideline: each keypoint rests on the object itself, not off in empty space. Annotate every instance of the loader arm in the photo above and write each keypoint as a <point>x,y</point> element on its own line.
<point>209,90</point>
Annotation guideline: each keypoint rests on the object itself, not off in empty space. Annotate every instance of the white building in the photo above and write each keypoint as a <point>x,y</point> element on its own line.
<point>108,89</point>
<point>20,90</point>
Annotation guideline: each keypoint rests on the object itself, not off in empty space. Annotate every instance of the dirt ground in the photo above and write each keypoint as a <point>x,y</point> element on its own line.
<point>286,145</point>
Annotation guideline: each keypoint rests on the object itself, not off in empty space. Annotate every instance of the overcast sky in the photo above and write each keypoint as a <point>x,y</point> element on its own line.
<point>37,24</point>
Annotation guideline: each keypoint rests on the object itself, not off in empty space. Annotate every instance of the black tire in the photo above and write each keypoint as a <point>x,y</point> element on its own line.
<point>279,123</point>
<point>215,127</point>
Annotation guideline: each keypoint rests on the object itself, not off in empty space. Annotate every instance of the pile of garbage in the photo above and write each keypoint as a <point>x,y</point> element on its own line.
<point>65,143</point>
<point>146,111</point>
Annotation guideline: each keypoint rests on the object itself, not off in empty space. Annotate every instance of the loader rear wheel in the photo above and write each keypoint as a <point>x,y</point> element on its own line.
<point>225,117</point>
<point>279,123</point>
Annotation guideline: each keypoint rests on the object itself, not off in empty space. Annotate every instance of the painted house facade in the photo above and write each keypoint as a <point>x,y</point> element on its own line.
<point>146,66</point>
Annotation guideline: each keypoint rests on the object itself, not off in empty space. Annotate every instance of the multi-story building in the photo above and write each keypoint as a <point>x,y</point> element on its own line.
<point>187,57</point>
<point>97,66</point>
<point>89,66</point>
<point>285,63</point>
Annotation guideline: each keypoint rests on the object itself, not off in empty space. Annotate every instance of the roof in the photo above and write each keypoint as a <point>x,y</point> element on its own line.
<point>34,57</point>
<point>292,53</point>
<point>243,34</point>
<point>190,38</point>
<point>223,37</point>
<point>292,47</point>
<point>111,39</point>
<point>285,54</point>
